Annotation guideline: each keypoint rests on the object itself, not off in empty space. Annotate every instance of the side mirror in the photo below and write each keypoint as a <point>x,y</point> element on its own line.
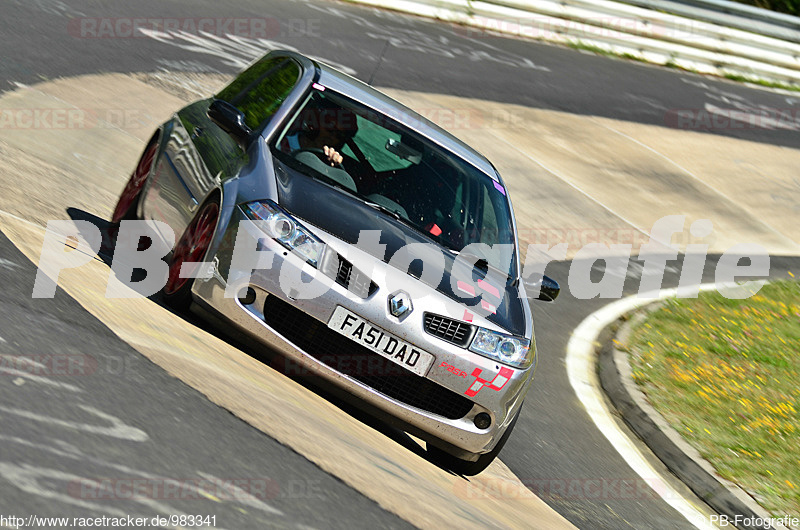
<point>547,287</point>
<point>229,119</point>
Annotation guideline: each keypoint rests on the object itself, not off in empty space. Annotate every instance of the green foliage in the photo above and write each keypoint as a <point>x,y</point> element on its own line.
<point>725,373</point>
<point>790,7</point>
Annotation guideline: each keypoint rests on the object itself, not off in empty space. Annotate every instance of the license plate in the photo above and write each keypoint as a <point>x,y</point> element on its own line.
<point>381,342</point>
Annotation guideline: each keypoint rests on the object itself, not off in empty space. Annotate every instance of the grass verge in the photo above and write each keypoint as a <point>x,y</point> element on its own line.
<point>672,63</point>
<point>761,82</point>
<point>726,375</point>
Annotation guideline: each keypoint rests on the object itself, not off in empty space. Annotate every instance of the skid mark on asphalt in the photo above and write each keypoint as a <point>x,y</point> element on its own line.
<point>11,364</point>
<point>6,264</point>
<point>232,50</point>
<point>117,429</point>
<point>746,112</point>
<point>27,478</point>
<point>403,33</point>
<point>51,7</point>
<point>37,480</point>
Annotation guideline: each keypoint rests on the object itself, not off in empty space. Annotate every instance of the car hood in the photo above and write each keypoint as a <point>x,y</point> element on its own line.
<point>345,216</point>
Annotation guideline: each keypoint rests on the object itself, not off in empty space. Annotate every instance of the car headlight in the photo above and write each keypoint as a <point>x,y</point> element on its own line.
<point>506,349</point>
<point>286,230</point>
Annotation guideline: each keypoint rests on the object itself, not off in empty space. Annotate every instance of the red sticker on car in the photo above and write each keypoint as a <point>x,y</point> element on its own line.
<point>497,383</point>
<point>452,369</point>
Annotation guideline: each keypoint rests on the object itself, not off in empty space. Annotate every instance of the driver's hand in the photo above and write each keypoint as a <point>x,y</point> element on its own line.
<point>333,155</point>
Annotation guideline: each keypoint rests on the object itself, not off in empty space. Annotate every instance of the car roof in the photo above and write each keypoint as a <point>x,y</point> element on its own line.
<point>365,94</point>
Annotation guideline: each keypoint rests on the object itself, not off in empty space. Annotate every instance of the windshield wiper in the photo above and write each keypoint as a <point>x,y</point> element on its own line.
<point>399,217</point>
<point>382,208</point>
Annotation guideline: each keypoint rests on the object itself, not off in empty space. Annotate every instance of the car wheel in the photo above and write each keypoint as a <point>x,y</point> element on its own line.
<point>129,199</point>
<point>191,248</point>
<point>466,467</point>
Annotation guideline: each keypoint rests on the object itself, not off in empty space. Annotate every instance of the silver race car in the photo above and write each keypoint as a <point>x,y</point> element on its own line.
<point>362,244</point>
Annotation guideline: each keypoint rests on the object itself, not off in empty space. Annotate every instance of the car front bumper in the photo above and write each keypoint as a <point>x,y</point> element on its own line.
<point>297,328</point>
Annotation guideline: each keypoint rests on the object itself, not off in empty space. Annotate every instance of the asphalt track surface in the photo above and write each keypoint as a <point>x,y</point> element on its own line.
<point>137,422</point>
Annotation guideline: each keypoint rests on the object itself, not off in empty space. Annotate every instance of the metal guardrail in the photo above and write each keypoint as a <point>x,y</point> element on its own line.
<point>630,30</point>
<point>729,14</point>
<point>744,10</point>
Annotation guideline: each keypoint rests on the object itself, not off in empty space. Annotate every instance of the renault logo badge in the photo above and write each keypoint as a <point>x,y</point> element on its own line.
<point>400,304</point>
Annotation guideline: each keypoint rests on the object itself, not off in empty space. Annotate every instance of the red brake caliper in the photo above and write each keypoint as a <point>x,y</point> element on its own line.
<point>192,246</point>
<point>135,184</point>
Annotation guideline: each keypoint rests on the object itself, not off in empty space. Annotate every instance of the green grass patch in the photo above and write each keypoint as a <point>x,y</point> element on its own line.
<point>726,375</point>
<point>598,50</point>
<point>762,82</point>
<point>582,46</point>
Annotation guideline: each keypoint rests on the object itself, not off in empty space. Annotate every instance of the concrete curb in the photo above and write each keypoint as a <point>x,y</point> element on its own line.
<point>683,460</point>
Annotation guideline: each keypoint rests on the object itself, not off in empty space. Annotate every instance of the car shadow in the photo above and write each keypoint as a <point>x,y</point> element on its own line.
<point>106,253</point>
<point>254,349</point>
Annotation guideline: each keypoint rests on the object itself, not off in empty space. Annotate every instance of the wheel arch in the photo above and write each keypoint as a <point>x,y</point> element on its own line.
<point>160,136</point>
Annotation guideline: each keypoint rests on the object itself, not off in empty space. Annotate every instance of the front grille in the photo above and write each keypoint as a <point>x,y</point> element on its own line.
<point>455,331</point>
<point>361,364</point>
<point>354,280</point>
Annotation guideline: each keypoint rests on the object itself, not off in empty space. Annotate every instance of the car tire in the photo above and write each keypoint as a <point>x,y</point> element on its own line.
<point>469,468</point>
<point>129,198</point>
<point>191,247</point>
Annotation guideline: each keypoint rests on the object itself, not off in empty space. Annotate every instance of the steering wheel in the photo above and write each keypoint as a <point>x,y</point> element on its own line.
<point>320,154</point>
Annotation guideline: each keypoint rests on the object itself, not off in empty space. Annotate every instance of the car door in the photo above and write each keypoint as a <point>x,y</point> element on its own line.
<point>199,156</point>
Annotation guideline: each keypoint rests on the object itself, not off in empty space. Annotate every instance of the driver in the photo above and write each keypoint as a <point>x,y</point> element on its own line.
<point>325,128</point>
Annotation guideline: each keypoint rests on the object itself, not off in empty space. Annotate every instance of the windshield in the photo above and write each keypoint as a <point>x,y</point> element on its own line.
<point>389,166</point>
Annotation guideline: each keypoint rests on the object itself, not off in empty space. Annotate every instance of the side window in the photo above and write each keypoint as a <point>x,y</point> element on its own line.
<point>260,90</point>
